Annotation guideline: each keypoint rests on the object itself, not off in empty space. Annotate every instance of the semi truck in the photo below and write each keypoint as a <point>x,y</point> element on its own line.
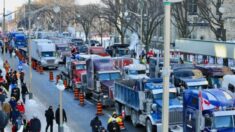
<point>142,101</point>
<point>44,53</point>
<point>135,71</point>
<point>214,73</point>
<point>210,110</point>
<point>101,74</point>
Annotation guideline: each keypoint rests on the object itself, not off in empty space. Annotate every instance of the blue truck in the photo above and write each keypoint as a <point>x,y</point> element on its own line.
<point>210,110</point>
<point>20,40</point>
<point>142,101</point>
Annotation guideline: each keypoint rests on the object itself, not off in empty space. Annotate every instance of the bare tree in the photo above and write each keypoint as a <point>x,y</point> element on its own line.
<point>209,11</point>
<point>180,12</point>
<point>87,14</point>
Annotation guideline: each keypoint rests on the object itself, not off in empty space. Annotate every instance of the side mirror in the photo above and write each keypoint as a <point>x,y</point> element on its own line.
<point>154,107</point>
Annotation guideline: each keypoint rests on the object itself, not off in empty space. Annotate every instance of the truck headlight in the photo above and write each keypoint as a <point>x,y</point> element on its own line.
<point>43,61</point>
<point>105,96</point>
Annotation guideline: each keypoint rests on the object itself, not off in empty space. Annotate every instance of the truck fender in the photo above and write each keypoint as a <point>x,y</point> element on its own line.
<point>158,125</point>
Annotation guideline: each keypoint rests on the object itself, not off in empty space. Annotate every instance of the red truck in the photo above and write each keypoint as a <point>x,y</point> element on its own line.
<point>98,51</point>
<point>74,69</point>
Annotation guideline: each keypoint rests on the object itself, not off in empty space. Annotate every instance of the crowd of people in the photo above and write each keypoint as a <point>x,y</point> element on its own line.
<point>13,99</point>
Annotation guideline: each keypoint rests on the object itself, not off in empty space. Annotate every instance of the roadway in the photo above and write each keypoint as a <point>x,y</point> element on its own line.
<point>78,117</point>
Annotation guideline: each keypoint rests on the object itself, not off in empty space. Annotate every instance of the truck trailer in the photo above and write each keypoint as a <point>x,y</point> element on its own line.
<point>142,101</point>
<point>44,53</point>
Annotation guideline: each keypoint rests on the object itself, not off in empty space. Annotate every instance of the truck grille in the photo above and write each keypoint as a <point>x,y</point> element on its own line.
<point>176,116</point>
<point>52,61</point>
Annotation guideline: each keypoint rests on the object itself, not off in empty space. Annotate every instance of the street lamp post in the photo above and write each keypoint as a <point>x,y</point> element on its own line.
<point>60,87</point>
<point>30,53</point>
<point>166,69</point>
<point>3,29</point>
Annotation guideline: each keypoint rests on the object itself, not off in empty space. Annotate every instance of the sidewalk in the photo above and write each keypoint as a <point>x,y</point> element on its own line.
<point>34,108</point>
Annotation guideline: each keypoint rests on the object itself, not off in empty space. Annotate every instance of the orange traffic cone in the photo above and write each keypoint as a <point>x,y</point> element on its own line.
<point>76,93</point>
<point>121,124</point>
<point>99,108</point>
<point>81,99</point>
<point>51,78</point>
<point>40,69</point>
<point>37,68</point>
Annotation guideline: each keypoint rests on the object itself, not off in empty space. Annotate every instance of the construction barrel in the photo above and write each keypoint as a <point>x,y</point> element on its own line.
<point>76,93</point>
<point>121,123</point>
<point>65,83</point>
<point>81,99</point>
<point>99,108</point>
<point>51,78</point>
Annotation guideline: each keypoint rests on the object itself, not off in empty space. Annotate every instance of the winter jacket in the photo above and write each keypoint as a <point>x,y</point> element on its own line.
<point>35,125</point>
<point>95,124</point>
<point>13,103</point>
<point>21,108</point>
<point>57,116</point>
<point>24,89</point>
<point>6,107</point>
<point>15,114</point>
<point>16,93</point>
<point>113,127</point>
<point>49,116</point>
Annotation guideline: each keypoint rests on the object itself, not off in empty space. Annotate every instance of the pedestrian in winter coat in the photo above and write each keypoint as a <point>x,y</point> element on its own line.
<point>35,125</point>
<point>57,116</point>
<point>96,124</point>
<point>49,118</point>
<point>113,127</point>
<point>13,103</point>
<point>6,107</point>
<point>15,114</point>
<point>24,91</point>
<point>21,76</point>
<point>16,93</point>
<point>20,107</point>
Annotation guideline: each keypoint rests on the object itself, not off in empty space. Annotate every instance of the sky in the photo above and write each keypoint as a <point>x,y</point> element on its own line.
<point>11,5</point>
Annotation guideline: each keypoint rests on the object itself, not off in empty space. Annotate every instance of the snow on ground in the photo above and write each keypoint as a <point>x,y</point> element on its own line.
<point>34,107</point>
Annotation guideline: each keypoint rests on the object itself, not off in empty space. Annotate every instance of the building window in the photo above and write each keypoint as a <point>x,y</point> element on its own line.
<point>192,7</point>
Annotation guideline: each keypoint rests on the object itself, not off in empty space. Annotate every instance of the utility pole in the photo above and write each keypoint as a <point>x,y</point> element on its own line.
<point>166,68</point>
<point>30,51</point>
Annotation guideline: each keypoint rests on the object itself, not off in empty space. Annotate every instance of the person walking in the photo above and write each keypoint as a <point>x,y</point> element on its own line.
<point>24,92</point>
<point>16,93</point>
<point>57,116</point>
<point>96,124</point>
<point>20,107</point>
<point>35,125</point>
<point>21,76</point>
<point>6,107</point>
<point>113,126</point>
<point>49,114</point>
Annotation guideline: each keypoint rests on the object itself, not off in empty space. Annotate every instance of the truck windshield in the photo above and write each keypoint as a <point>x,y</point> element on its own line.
<point>198,86</point>
<point>63,48</point>
<point>80,67</point>
<point>223,122</point>
<point>137,72</point>
<point>48,54</point>
<point>160,95</point>
<point>109,76</point>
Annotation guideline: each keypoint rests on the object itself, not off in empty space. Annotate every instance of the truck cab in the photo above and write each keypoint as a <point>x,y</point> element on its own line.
<point>210,110</point>
<point>101,74</point>
<point>98,51</point>
<point>228,83</point>
<point>20,40</point>
<point>214,73</point>
<point>135,71</point>
<point>62,50</point>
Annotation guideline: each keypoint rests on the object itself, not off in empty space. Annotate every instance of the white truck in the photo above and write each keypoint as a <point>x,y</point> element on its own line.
<point>44,53</point>
<point>135,71</point>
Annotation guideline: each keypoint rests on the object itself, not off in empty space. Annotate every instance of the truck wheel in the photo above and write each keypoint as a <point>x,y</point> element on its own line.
<point>134,118</point>
<point>150,127</point>
<point>118,108</point>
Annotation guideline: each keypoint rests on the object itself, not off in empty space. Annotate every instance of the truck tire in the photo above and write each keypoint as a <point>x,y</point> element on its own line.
<point>149,126</point>
<point>118,108</point>
<point>134,118</point>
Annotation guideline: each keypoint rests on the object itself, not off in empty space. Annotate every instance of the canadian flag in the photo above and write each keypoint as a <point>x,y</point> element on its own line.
<point>204,103</point>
